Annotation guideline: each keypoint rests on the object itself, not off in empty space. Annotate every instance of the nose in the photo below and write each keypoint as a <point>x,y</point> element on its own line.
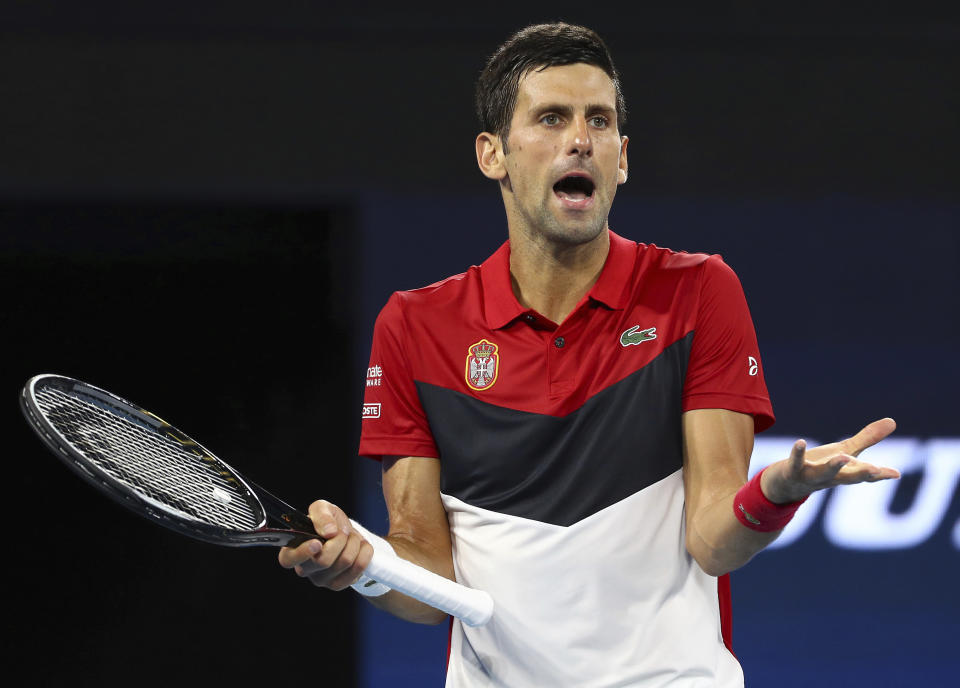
<point>580,141</point>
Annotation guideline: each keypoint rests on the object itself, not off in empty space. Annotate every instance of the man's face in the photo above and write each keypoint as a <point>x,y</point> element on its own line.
<point>566,156</point>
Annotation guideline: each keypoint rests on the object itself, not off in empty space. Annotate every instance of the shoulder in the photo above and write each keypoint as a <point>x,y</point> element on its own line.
<point>664,268</point>
<point>679,280</point>
<point>660,257</point>
<point>437,299</point>
<point>442,292</point>
<point>706,267</point>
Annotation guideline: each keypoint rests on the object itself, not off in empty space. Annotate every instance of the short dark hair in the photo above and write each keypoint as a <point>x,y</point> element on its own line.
<point>538,47</point>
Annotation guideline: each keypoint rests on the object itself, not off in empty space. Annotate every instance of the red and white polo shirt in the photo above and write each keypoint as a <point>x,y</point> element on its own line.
<point>561,455</point>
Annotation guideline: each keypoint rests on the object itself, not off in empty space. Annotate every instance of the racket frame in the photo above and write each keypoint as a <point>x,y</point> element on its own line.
<point>292,527</point>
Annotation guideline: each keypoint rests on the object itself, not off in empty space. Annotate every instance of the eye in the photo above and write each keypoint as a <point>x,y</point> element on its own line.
<point>550,120</point>
<point>599,121</point>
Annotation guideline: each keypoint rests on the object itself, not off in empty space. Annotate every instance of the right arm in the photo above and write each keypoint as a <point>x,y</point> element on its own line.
<point>419,532</point>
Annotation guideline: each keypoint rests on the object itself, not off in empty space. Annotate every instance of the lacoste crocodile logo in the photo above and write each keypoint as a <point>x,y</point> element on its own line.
<point>632,336</point>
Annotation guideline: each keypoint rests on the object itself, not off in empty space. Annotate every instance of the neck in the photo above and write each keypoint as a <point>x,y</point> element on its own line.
<point>552,279</point>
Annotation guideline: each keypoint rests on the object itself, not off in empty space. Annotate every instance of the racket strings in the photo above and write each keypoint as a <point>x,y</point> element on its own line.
<point>157,467</point>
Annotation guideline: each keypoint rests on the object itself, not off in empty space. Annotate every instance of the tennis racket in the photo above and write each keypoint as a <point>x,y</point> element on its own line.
<point>159,472</point>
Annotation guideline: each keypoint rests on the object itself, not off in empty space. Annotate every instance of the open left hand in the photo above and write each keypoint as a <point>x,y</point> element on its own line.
<point>825,466</point>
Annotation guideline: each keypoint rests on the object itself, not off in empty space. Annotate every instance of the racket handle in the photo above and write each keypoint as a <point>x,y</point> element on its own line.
<point>473,607</point>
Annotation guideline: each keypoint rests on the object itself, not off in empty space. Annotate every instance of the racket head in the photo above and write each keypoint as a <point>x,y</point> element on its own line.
<point>144,463</point>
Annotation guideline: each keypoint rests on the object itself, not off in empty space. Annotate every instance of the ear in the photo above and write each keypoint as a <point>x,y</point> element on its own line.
<point>490,156</point>
<point>622,166</point>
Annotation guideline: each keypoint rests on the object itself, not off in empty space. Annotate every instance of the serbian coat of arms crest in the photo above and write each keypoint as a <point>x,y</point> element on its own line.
<point>483,365</point>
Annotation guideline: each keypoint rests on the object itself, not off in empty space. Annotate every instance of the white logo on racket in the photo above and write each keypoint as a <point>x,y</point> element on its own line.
<point>221,496</point>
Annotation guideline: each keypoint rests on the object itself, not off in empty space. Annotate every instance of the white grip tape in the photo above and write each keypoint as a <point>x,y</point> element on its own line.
<point>388,571</point>
<point>473,607</point>
<point>365,585</point>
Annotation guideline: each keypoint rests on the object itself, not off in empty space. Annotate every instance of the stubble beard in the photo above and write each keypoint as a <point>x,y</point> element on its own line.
<point>541,222</point>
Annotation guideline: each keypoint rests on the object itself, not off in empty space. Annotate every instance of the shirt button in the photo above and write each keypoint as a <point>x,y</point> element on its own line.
<point>558,342</point>
<point>528,318</point>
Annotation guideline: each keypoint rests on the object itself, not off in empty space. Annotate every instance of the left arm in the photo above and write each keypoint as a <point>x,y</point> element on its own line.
<point>717,448</point>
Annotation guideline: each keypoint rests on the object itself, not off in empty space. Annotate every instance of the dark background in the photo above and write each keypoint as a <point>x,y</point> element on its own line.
<point>220,196</point>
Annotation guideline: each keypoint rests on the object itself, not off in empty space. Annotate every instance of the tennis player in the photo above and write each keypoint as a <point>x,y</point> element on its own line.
<point>568,426</point>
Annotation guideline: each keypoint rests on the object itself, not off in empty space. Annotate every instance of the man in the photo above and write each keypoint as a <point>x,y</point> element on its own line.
<point>569,425</point>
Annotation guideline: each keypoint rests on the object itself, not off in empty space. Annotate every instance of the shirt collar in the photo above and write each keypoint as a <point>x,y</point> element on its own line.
<point>611,288</point>
<point>501,306</point>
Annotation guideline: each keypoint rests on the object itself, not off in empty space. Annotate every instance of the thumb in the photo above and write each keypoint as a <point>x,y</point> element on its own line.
<point>797,456</point>
<point>328,519</point>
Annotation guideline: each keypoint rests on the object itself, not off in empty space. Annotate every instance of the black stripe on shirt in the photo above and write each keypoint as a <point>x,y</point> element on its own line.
<point>561,470</point>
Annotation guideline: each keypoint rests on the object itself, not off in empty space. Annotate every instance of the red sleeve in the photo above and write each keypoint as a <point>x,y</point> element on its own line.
<point>725,370</point>
<point>394,423</point>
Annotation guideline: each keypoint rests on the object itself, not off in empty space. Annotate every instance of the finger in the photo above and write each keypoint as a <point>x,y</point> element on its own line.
<point>325,563</point>
<point>343,522</point>
<point>862,472</point>
<point>869,436</point>
<point>352,575</point>
<point>305,551</point>
<point>331,552</point>
<point>306,558</point>
<point>823,474</point>
<point>835,464</point>
<point>324,517</point>
<point>877,474</point>
<point>323,572</point>
<point>345,572</point>
<point>798,456</point>
<point>366,554</point>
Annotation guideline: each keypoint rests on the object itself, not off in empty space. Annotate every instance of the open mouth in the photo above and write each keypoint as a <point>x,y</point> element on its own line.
<point>575,189</point>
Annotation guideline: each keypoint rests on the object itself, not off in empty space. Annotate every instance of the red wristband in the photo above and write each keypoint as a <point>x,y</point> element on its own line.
<point>756,512</point>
